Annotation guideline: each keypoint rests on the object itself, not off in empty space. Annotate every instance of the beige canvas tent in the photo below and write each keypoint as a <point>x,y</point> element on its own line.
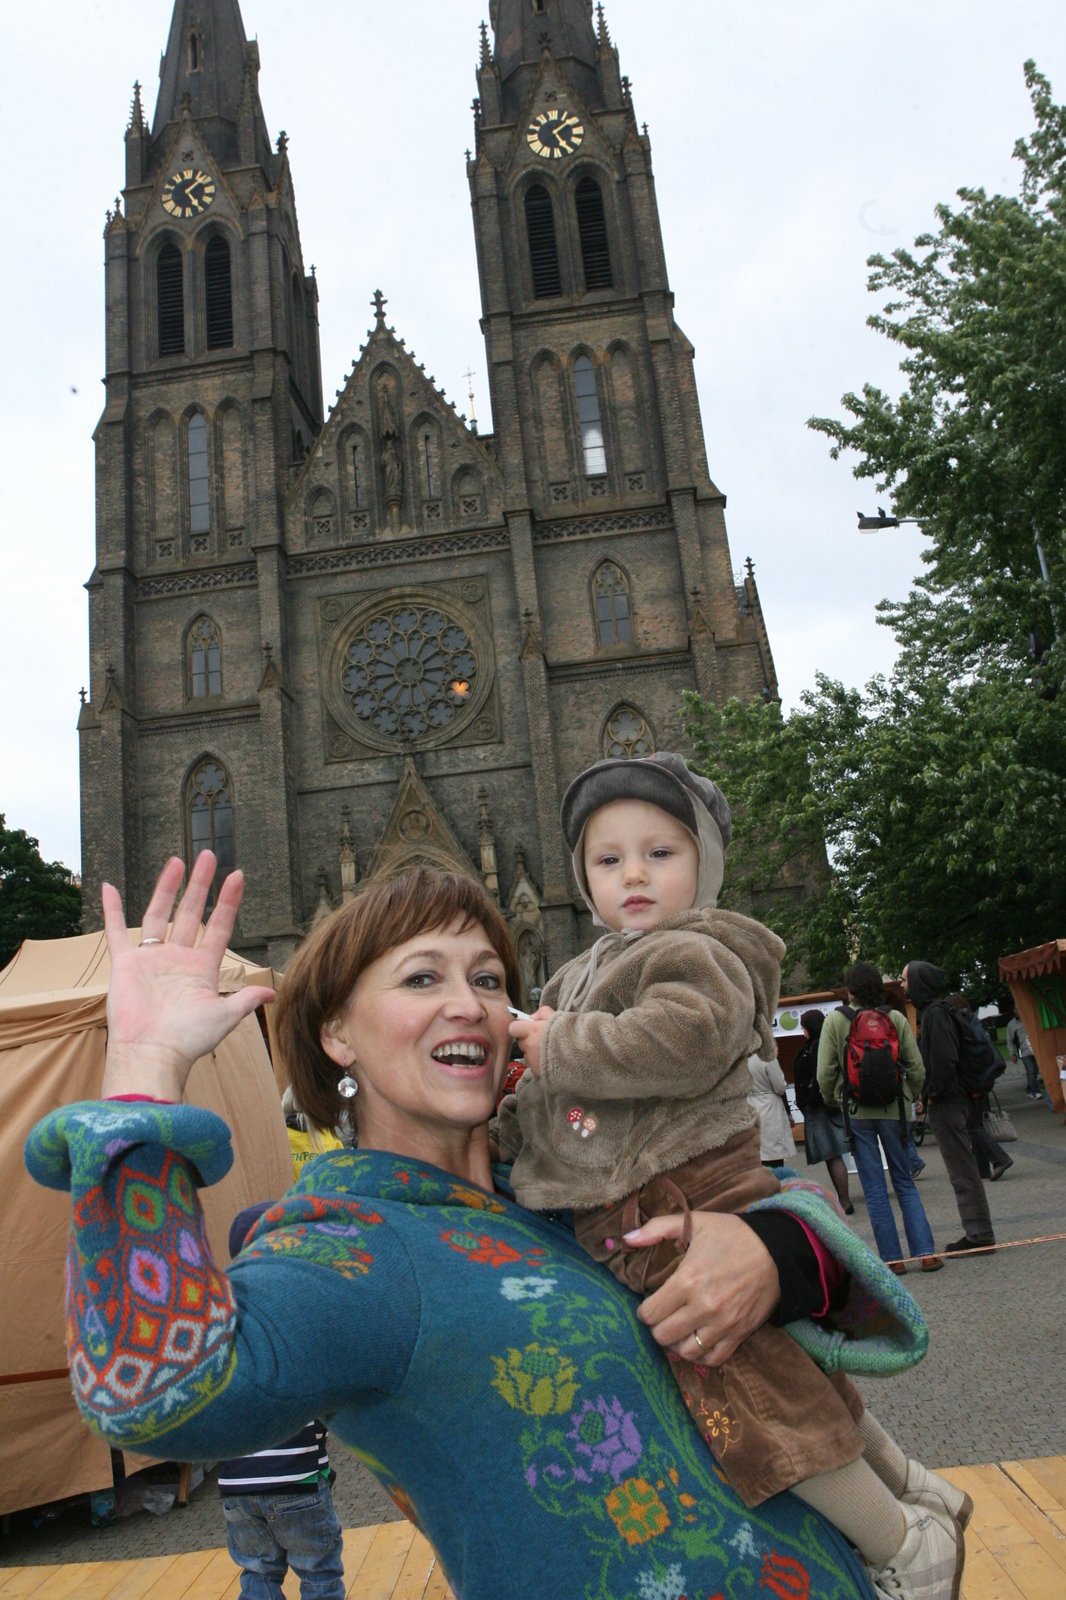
<point>52,999</point>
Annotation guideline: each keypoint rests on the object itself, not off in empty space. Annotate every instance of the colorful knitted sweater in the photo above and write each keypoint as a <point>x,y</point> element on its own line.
<point>496,1380</point>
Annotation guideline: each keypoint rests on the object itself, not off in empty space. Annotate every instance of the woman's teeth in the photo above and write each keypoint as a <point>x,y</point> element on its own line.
<point>455,1054</point>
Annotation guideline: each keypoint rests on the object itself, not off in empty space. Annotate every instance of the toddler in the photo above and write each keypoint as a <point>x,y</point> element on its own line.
<point>636,1104</point>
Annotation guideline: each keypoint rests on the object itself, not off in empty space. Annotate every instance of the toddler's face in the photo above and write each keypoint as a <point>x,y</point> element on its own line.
<point>641,864</point>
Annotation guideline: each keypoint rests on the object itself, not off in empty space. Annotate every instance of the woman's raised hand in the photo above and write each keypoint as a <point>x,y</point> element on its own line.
<point>164,1010</point>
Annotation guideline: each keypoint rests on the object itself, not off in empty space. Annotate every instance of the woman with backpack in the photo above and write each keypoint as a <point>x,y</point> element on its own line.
<point>869,1065</point>
<point>823,1138</point>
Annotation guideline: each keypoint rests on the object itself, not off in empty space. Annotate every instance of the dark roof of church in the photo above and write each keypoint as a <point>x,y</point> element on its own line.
<point>520,32</point>
<point>213,77</point>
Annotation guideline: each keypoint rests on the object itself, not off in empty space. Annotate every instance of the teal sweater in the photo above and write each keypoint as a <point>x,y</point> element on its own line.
<point>494,1379</point>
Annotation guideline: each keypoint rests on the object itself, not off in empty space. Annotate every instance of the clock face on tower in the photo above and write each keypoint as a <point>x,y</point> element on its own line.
<point>554,133</point>
<point>188,193</point>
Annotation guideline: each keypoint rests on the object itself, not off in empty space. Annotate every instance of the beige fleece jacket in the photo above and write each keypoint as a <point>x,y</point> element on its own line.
<point>651,1068</point>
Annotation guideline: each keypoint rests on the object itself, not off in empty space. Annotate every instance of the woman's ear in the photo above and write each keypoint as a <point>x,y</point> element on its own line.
<point>335,1045</point>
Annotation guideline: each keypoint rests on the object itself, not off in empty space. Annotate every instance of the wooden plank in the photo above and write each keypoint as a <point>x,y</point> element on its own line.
<point>416,1570</point>
<point>102,1577</point>
<point>357,1542</point>
<point>139,1580</point>
<point>437,1587</point>
<point>65,1582</point>
<point>383,1562</point>
<point>182,1571</point>
<point>214,1579</point>
<point>1010,1521</point>
<point>23,1581</point>
<point>1037,1491</point>
<point>1051,1471</point>
<point>985,1579</point>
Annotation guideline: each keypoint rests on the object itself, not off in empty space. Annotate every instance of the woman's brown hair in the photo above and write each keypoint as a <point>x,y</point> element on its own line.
<point>385,911</point>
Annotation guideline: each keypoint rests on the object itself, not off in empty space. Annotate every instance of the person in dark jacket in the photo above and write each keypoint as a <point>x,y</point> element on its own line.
<point>948,1103</point>
<point>992,1160</point>
<point>823,1139</point>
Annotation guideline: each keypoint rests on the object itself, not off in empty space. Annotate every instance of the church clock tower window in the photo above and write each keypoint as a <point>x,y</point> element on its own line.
<point>218,294</point>
<point>543,248</point>
<point>593,449</point>
<point>170,301</point>
<point>199,480</point>
<point>592,233</point>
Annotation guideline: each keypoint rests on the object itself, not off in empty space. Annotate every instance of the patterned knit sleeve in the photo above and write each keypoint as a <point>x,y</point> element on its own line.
<point>165,1349</point>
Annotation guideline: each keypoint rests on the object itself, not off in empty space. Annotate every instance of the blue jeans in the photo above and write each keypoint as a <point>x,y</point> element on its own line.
<point>871,1136</point>
<point>268,1533</point>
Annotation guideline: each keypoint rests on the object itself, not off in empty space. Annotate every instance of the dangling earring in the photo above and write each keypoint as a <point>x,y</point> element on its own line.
<point>347,1088</point>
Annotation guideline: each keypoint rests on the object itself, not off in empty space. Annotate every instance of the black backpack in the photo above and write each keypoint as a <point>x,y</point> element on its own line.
<point>980,1063</point>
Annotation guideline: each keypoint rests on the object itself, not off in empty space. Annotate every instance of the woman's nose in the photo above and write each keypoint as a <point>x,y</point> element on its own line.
<point>462,1000</point>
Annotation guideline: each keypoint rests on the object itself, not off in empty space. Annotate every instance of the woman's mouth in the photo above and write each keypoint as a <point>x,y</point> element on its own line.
<point>460,1053</point>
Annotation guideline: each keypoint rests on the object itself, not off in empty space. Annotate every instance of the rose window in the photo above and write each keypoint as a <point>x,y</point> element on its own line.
<point>409,672</point>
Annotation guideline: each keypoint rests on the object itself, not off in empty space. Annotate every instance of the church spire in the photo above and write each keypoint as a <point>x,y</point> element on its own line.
<point>205,70</point>
<point>525,29</point>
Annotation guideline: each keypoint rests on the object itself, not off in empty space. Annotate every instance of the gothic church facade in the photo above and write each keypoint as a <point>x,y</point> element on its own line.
<point>323,642</point>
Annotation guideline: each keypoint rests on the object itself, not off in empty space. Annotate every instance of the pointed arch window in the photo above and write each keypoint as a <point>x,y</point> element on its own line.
<point>209,816</point>
<point>199,480</point>
<point>627,735</point>
<point>610,594</point>
<point>205,659</point>
<point>218,294</point>
<point>358,477</point>
<point>543,249</point>
<point>592,232</point>
<point>593,450</point>
<point>170,301</point>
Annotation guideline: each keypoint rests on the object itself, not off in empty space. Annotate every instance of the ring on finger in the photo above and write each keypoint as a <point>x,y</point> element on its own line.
<point>699,1341</point>
<point>151,941</point>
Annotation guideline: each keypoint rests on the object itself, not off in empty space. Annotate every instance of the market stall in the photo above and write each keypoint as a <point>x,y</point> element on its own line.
<point>52,1033</point>
<point>1037,980</point>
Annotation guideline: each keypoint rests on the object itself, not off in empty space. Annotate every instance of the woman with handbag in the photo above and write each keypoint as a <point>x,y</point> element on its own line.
<point>823,1135</point>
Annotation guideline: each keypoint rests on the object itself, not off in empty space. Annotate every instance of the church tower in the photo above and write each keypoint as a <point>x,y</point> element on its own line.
<point>621,558</point>
<point>325,643</point>
<point>213,397</point>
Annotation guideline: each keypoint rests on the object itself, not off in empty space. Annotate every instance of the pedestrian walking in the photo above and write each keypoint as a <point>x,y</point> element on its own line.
<point>823,1135</point>
<point>876,1128</point>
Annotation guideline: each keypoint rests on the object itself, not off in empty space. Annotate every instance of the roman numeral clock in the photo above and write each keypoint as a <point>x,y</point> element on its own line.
<point>188,193</point>
<point>554,133</point>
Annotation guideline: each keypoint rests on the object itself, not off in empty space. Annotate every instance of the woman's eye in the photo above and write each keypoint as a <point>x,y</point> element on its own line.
<point>419,980</point>
<point>488,980</point>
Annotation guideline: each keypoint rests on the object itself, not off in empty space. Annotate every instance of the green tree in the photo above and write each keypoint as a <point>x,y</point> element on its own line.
<point>776,868</point>
<point>973,447</point>
<point>940,792</point>
<point>38,899</point>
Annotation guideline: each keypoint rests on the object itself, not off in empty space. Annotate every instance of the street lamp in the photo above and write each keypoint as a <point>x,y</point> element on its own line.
<point>882,520</point>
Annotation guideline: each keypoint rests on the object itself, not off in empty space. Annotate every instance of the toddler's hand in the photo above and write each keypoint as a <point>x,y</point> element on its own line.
<point>529,1031</point>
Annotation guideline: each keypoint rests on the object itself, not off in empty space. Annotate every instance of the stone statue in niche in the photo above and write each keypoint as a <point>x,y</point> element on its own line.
<point>391,463</point>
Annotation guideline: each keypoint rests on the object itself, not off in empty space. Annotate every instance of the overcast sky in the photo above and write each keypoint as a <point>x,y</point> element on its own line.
<point>790,142</point>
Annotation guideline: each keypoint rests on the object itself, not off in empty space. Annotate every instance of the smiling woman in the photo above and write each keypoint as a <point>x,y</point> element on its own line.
<point>502,1386</point>
<point>420,1022</point>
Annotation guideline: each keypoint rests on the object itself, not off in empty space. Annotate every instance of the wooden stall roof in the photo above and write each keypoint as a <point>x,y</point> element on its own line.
<point>1038,962</point>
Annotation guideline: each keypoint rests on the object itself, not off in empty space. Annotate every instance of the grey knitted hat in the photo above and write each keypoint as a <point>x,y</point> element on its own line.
<point>663,780</point>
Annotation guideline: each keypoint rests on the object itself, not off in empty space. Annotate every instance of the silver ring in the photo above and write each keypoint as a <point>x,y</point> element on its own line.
<point>698,1340</point>
<point>151,941</point>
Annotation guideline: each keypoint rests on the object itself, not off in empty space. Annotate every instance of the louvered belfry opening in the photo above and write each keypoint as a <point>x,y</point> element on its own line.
<point>170,301</point>
<point>218,291</point>
<point>592,231</point>
<point>543,250</point>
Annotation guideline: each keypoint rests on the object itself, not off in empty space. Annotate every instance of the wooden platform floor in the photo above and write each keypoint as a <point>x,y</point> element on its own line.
<point>1016,1550</point>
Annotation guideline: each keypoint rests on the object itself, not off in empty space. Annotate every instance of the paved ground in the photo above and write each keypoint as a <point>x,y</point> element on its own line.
<point>988,1390</point>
